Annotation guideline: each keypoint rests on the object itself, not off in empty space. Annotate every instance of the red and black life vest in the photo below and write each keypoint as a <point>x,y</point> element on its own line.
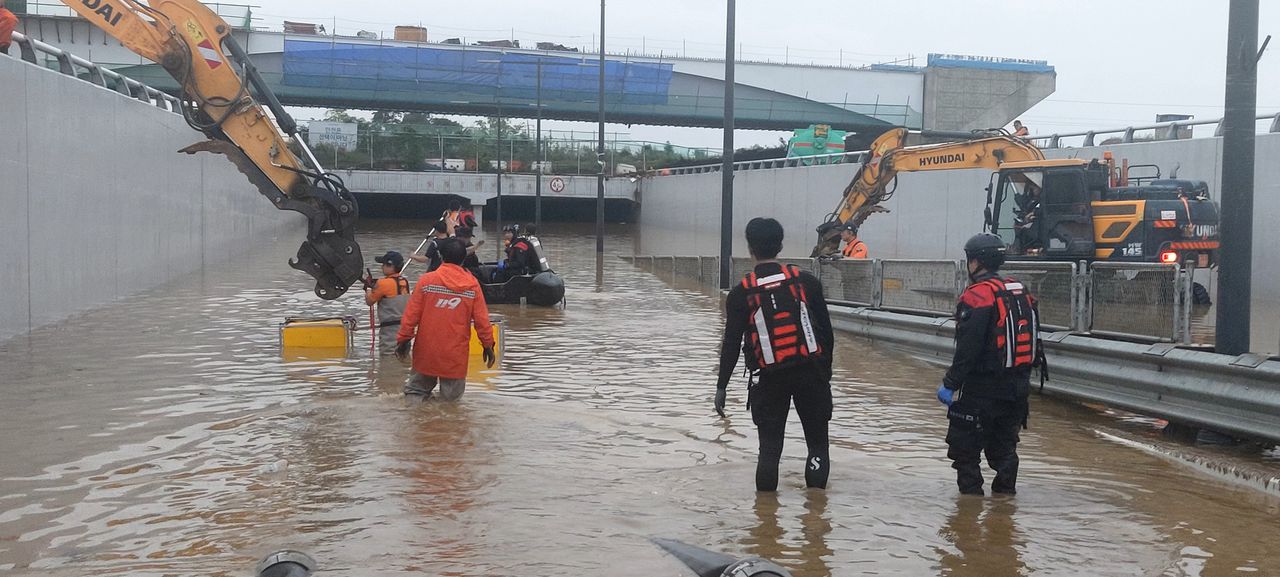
<point>1017,324</point>
<point>780,331</point>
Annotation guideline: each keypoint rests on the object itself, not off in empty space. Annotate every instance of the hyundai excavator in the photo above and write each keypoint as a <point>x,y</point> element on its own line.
<point>1046,209</point>
<point>223,97</point>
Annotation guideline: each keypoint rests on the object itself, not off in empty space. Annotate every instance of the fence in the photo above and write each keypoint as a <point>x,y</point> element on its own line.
<point>1143,302</point>
<point>72,65</point>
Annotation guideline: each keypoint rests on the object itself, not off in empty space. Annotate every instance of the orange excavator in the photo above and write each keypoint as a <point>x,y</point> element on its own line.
<point>1046,209</point>
<point>223,96</point>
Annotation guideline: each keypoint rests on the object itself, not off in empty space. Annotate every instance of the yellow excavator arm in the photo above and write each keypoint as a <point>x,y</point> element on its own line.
<point>887,156</point>
<point>221,95</point>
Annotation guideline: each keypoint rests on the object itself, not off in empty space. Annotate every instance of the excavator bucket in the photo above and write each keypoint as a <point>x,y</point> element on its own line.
<point>330,254</point>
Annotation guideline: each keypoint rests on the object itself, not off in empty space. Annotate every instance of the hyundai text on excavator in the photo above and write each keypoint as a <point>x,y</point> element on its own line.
<point>223,96</point>
<point>1061,209</point>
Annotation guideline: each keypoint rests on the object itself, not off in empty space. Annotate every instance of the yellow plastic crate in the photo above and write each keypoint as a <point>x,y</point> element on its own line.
<point>332,334</point>
<point>499,330</point>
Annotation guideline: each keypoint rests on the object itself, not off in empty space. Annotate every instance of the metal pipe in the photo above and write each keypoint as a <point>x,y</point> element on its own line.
<point>538,157</point>
<point>600,147</point>
<point>1235,259</point>
<point>726,169</point>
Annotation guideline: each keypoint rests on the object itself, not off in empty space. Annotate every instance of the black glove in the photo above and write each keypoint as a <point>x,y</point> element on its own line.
<point>489,357</point>
<point>402,349</point>
<point>722,395</point>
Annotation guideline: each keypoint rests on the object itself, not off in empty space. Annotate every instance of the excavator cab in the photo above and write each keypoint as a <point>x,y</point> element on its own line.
<point>1042,209</point>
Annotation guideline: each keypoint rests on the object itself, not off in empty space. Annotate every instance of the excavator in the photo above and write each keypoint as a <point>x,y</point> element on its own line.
<point>223,96</point>
<point>1046,209</point>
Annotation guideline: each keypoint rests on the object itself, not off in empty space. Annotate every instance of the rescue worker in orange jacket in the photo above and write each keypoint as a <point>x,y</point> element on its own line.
<point>445,304</point>
<point>853,246</point>
<point>391,294</point>
<point>997,344</point>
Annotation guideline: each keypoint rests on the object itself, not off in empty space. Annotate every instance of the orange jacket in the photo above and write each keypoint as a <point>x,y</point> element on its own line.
<point>444,304</point>
<point>8,22</point>
<point>855,249</point>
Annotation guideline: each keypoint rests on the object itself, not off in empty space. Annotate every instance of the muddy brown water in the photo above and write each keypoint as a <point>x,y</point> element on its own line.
<point>166,435</point>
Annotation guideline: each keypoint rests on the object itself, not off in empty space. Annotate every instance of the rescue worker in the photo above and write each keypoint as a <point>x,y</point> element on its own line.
<point>1019,130</point>
<point>472,263</point>
<point>431,253</point>
<point>997,343</point>
<point>457,218</point>
<point>8,23</point>
<point>391,294</point>
<point>445,304</point>
<point>853,246</point>
<point>519,255</point>
<point>777,316</point>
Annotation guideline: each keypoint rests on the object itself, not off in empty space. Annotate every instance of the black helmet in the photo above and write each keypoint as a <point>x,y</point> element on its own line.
<point>986,248</point>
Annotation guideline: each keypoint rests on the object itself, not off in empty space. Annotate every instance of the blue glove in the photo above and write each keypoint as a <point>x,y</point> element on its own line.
<point>502,265</point>
<point>945,396</point>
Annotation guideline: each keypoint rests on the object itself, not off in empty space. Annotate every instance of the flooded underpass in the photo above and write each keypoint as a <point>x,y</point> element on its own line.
<point>166,435</point>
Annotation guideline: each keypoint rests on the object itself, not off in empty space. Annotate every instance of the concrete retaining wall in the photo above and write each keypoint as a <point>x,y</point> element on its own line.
<point>933,213</point>
<point>98,204</point>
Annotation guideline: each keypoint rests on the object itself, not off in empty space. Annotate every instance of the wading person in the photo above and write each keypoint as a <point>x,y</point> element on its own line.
<point>445,304</point>
<point>431,253</point>
<point>778,318</point>
<point>391,294</point>
<point>986,388</point>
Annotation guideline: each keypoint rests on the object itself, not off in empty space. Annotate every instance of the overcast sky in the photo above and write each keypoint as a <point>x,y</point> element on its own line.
<point>1119,62</point>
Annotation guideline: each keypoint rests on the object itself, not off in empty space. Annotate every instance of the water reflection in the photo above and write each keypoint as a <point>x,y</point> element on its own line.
<point>806,553</point>
<point>984,537</point>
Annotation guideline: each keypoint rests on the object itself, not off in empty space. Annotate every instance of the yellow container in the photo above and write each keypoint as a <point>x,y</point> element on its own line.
<point>330,334</point>
<point>499,330</point>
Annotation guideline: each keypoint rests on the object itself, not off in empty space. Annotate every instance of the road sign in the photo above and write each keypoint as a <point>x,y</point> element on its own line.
<point>557,184</point>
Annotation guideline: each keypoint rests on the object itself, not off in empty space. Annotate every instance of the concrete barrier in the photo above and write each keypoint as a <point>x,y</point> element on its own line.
<point>98,203</point>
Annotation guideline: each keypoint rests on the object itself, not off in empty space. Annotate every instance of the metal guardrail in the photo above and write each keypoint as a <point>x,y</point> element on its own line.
<point>1055,286</point>
<point>1143,302</point>
<point>1127,133</point>
<point>1237,395</point>
<point>72,65</point>
<point>1046,141</point>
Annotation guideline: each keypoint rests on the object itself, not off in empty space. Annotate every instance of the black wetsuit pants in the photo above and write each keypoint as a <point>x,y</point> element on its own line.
<point>770,403</point>
<point>988,426</point>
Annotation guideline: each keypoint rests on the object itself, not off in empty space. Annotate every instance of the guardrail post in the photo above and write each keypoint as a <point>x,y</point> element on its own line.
<point>1218,131</point>
<point>1128,135</point>
<point>97,77</point>
<point>1089,137</point>
<point>27,50</point>
<point>1054,141</point>
<point>1081,281</point>
<point>1185,280</point>
<point>1275,123</point>
<point>877,283</point>
<point>64,64</point>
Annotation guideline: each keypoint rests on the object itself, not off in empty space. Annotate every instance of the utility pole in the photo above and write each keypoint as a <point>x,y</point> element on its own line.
<point>600,149</point>
<point>537,157</point>
<point>726,169</point>
<point>1235,256</point>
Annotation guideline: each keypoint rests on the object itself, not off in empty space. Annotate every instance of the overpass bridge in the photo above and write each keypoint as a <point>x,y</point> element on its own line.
<point>949,93</point>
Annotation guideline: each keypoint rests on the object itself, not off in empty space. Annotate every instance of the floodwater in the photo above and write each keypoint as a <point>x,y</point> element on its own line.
<point>166,435</point>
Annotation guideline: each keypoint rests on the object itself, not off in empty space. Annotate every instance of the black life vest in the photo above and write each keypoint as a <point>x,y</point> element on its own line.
<point>1017,325</point>
<point>780,330</point>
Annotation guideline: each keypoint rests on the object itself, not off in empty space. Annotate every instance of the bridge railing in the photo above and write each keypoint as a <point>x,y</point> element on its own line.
<point>1172,130</point>
<point>31,50</point>
<point>1141,302</point>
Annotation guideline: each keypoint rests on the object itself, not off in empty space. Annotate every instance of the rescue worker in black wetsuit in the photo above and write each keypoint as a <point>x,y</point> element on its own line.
<point>997,344</point>
<point>777,316</point>
<point>519,256</point>
<point>431,254</point>
<point>472,262</point>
